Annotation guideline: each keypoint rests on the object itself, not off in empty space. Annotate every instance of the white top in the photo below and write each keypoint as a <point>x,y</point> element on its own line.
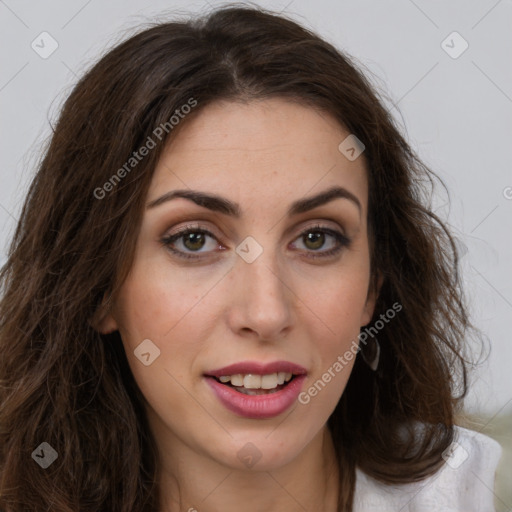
<point>465,483</point>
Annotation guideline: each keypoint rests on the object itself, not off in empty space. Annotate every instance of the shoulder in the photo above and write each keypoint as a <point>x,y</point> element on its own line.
<point>465,482</point>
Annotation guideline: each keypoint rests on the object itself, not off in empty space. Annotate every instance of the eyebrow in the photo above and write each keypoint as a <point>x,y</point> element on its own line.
<point>222,205</point>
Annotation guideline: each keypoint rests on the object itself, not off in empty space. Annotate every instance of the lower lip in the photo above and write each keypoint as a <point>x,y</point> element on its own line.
<point>258,406</point>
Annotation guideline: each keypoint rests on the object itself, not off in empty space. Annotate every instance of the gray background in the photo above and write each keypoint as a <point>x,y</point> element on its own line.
<point>456,113</point>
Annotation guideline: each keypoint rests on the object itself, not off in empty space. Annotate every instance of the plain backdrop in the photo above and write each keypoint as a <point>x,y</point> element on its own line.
<point>454,105</point>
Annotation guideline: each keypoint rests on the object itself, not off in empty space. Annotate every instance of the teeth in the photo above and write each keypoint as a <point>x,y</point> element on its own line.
<point>237,380</point>
<point>269,381</point>
<point>251,381</point>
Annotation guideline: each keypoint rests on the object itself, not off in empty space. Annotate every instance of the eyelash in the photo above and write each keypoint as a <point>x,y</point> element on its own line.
<point>340,238</point>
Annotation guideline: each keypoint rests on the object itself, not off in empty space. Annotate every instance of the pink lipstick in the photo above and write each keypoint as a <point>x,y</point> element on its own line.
<point>256,390</point>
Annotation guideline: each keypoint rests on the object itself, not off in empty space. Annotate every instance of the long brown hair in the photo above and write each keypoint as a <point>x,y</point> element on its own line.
<point>65,384</point>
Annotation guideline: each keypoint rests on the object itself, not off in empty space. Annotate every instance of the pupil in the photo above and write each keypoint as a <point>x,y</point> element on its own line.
<point>192,239</point>
<point>317,238</point>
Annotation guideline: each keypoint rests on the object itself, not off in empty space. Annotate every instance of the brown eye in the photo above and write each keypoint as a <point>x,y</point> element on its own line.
<point>318,237</point>
<point>314,240</point>
<point>191,240</point>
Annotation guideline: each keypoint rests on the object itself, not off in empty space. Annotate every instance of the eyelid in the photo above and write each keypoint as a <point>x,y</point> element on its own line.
<point>191,226</point>
<point>213,221</point>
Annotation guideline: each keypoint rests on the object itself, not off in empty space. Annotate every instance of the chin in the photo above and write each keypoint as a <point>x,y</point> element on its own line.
<point>262,451</point>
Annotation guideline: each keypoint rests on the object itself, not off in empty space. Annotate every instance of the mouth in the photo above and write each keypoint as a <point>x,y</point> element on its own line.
<point>251,384</point>
<point>256,390</point>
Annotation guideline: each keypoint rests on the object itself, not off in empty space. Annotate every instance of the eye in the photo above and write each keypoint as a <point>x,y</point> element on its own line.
<point>316,237</point>
<point>193,239</point>
<point>192,242</point>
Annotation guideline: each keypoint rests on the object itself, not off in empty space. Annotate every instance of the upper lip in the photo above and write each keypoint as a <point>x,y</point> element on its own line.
<point>257,368</point>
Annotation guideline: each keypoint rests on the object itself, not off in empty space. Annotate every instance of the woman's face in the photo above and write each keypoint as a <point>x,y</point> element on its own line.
<point>268,281</point>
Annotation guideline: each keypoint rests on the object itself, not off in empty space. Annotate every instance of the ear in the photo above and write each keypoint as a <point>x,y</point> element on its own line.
<point>371,299</point>
<point>103,320</point>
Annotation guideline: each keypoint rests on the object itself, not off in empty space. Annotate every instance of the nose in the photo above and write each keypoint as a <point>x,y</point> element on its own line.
<point>261,299</point>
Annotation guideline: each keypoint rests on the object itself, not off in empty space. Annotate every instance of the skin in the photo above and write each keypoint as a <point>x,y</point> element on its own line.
<point>217,310</point>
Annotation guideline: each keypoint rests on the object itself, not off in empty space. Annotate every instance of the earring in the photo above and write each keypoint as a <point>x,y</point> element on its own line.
<point>371,355</point>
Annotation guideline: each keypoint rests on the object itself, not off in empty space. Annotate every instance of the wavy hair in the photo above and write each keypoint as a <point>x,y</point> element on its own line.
<point>63,383</point>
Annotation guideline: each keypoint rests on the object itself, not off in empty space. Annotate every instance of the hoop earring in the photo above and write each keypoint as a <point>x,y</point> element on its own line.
<point>373,356</point>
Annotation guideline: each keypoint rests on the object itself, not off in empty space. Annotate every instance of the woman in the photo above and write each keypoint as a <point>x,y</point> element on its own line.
<point>225,288</point>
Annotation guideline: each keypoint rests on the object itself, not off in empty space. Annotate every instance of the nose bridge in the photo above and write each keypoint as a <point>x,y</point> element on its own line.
<point>262,297</point>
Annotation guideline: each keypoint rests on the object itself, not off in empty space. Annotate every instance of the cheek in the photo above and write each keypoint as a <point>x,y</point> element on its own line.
<point>341,301</point>
<point>343,318</point>
<point>155,305</point>
<point>173,311</point>
<point>154,301</point>
<point>341,309</point>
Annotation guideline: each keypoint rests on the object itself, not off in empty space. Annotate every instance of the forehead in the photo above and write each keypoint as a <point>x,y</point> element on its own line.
<point>271,148</point>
